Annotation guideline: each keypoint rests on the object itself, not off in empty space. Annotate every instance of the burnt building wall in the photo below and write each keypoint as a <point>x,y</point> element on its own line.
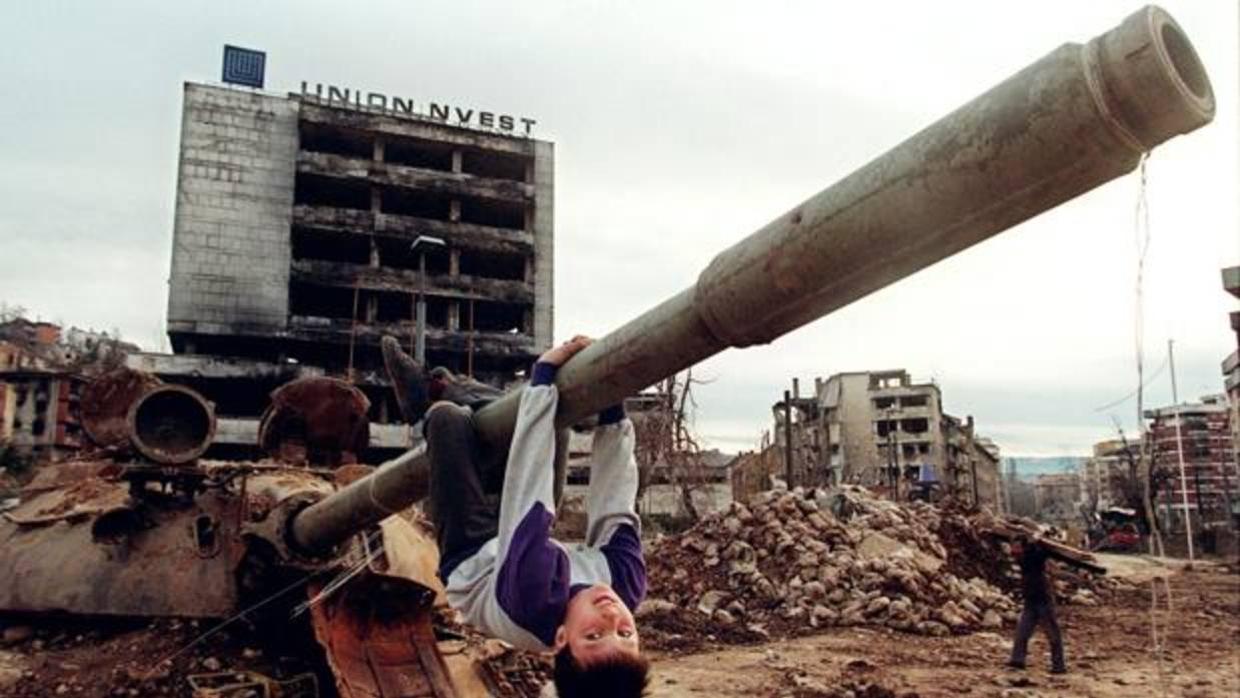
<point>294,225</point>
<point>230,260</point>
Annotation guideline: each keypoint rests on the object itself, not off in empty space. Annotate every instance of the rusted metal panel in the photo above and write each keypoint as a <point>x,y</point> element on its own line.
<point>140,561</point>
<point>378,645</point>
<point>317,420</point>
<point>106,401</point>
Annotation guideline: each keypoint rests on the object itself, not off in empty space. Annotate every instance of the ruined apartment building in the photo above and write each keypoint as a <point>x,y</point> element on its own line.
<point>870,427</point>
<point>294,222</point>
<point>39,415</point>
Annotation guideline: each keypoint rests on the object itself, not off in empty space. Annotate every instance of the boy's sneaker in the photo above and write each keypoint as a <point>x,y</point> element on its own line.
<point>408,380</point>
<point>462,390</point>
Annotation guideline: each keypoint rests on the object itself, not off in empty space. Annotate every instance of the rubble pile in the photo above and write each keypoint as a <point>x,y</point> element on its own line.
<point>811,559</point>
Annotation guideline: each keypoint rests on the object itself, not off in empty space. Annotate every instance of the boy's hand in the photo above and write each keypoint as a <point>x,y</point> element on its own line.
<point>557,356</point>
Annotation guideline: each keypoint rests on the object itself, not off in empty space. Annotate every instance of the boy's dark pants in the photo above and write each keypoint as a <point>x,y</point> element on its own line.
<point>467,480</point>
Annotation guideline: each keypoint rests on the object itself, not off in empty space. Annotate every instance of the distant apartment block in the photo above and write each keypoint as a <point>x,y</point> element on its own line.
<point>1056,498</point>
<point>1103,473</point>
<point>1199,434</point>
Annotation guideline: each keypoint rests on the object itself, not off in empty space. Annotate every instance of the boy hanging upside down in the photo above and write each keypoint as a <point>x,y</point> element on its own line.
<point>502,569</point>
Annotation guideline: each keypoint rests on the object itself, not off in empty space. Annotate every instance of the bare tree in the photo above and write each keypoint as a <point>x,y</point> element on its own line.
<point>1139,476</point>
<point>666,446</point>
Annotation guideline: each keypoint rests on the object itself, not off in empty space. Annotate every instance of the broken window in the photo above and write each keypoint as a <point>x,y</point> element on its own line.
<point>884,403</point>
<point>485,163</point>
<point>323,301</point>
<point>493,265</point>
<point>394,306</point>
<point>498,214</point>
<point>398,253</point>
<point>412,152</point>
<point>884,427</point>
<point>413,202</point>
<point>490,316</point>
<point>330,246</point>
<point>335,140</point>
<point>315,190</point>
<point>914,401</point>
<point>915,426</point>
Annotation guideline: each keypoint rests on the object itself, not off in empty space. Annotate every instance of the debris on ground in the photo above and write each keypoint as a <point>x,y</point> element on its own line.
<point>792,562</point>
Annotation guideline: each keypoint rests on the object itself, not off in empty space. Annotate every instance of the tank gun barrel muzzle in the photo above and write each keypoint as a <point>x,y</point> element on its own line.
<point>1079,117</point>
<point>171,424</point>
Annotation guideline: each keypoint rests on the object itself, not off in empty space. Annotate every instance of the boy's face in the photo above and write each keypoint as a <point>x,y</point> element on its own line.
<point>597,625</point>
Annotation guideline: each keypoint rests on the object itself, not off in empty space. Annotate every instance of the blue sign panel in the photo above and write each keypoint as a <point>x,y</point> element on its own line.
<point>243,66</point>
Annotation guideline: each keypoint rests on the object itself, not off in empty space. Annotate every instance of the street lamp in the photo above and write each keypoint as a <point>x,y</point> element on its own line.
<point>420,246</point>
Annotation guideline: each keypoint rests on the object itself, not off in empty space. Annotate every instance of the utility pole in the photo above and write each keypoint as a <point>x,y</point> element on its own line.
<point>419,245</point>
<point>788,438</point>
<point>1179,449</point>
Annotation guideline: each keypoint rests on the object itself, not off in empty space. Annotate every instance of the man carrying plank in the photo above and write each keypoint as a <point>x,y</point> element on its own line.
<point>1039,605</point>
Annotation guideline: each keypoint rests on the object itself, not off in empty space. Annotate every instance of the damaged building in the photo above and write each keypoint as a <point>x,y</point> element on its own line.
<point>880,429</point>
<point>293,248</point>
<point>1198,435</point>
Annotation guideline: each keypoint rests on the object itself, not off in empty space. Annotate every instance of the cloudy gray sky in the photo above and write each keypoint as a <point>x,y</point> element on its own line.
<point>680,127</point>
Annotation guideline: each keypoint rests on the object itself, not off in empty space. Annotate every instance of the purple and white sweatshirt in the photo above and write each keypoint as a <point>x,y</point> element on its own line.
<point>518,585</point>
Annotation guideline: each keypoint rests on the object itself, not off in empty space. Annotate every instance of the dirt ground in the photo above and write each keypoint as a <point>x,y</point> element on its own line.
<point>1109,654</point>
<point>1109,651</point>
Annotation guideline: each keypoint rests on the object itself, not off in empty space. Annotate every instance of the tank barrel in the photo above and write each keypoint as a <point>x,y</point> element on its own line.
<point>171,424</point>
<point>1078,118</point>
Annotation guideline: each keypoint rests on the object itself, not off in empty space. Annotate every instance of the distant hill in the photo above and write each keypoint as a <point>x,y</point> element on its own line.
<point>1029,467</point>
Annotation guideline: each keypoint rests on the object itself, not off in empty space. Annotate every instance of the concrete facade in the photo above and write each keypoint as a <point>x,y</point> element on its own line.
<point>880,423</point>
<point>230,235</point>
<point>1056,498</point>
<point>882,430</point>
<point>295,217</point>
<point>1101,473</point>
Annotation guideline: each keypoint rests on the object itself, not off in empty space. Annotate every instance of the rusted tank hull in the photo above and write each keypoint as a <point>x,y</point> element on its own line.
<point>1079,117</point>
<point>156,568</point>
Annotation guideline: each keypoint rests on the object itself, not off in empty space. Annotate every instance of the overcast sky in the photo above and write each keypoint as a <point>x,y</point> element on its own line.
<point>680,128</point>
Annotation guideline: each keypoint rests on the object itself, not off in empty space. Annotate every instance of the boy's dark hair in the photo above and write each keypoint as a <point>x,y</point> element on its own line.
<point>621,675</point>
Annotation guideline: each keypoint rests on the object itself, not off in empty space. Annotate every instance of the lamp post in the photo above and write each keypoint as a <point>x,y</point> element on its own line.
<point>420,246</point>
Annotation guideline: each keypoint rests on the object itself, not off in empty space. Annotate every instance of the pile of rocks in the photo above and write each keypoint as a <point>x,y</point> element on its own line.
<point>812,559</point>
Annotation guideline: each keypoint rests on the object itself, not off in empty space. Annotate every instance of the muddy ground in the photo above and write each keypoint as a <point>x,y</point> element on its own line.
<point>1109,652</point>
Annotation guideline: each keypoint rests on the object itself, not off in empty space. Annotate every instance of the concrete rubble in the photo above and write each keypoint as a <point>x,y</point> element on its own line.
<point>796,561</point>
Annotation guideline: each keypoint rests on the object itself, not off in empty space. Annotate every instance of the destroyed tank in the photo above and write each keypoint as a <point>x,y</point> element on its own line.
<point>148,528</point>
